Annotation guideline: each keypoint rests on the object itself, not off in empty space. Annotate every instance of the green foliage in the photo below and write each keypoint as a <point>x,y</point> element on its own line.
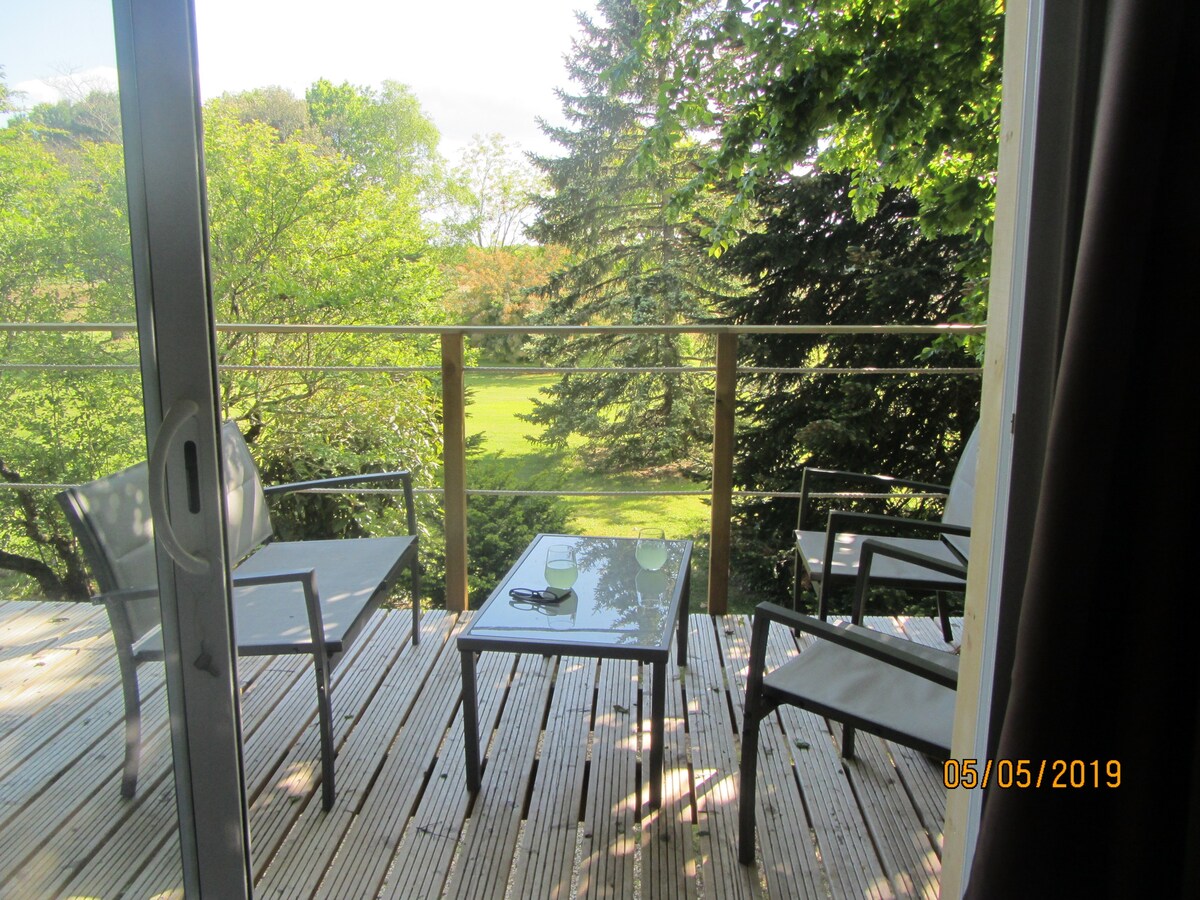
<point>94,117</point>
<point>384,134</point>
<point>299,236</point>
<point>895,93</point>
<point>810,261</point>
<point>499,527</point>
<point>273,106</point>
<point>302,232</point>
<point>637,259</point>
<point>62,216</point>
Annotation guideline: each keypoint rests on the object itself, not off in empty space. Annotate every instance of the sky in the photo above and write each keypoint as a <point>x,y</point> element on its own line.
<point>477,66</point>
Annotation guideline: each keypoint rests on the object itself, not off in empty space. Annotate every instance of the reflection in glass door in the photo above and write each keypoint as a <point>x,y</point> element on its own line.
<point>96,753</point>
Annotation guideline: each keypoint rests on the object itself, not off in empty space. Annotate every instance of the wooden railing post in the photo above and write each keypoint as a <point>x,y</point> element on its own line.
<point>722,475</point>
<point>454,470</point>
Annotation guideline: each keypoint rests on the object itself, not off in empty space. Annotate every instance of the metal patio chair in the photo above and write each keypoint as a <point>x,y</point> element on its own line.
<point>310,597</point>
<point>832,555</point>
<point>882,684</point>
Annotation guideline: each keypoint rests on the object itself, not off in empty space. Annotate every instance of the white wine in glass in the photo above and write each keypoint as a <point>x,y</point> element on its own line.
<point>651,549</point>
<point>561,569</point>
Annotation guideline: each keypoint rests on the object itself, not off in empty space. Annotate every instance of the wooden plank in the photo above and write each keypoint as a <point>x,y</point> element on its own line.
<point>36,679</point>
<point>489,842</point>
<point>669,854</point>
<point>77,806</point>
<point>367,847</point>
<point>63,736</point>
<point>899,836</point>
<point>280,705</point>
<point>920,776</point>
<point>401,765</point>
<point>306,852</point>
<point>422,861</point>
<point>546,849</point>
<point>789,858</point>
<point>927,631</point>
<point>142,832</point>
<point>843,841</point>
<point>606,868</point>
<point>32,626</point>
<point>266,689</point>
<point>281,780</point>
<point>715,760</point>
<point>720,531</point>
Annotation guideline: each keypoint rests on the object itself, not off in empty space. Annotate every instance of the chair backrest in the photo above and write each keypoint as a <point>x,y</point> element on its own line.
<point>247,519</point>
<point>111,519</point>
<point>961,498</point>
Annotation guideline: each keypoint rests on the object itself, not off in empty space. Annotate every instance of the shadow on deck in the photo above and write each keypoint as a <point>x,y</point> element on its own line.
<point>561,812</point>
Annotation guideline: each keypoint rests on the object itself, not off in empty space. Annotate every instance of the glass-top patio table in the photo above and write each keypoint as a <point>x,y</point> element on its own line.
<point>616,610</point>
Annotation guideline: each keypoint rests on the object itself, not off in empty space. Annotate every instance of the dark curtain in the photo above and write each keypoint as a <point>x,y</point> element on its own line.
<point>1105,662</point>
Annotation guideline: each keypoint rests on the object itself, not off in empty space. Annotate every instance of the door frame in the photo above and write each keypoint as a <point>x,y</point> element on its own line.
<point>164,168</point>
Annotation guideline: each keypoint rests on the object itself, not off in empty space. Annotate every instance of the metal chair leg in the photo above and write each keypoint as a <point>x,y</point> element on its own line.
<point>325,715</point>
<point>415,570</point>
<point>747,787</point>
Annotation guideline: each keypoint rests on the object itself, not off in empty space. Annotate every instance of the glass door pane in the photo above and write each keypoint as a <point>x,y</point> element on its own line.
<point>93,725</point>
<point>71,413</point>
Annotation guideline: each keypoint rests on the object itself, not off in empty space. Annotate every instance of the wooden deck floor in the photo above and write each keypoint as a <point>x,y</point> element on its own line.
<point>559,813</point>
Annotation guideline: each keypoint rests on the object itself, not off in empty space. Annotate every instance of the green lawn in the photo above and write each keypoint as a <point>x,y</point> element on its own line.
<point>496,400</point>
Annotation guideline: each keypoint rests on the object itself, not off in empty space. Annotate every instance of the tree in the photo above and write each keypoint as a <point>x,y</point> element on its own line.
<point>498,287</point>
<point>810,261</point>
<point>299,237</point>
<point>637,258</point>
<point>62,213</point>
<point>274,106</point>
<point>384,134</point>
<point>895,93</point>
<point>500,187</point>
<point>300,233</point>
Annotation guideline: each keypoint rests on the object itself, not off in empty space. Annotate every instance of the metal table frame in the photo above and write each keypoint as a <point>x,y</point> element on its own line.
<point>654,653</point>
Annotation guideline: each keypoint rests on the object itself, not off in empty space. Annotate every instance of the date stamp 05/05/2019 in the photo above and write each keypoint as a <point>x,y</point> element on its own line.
<point>1057,774</point>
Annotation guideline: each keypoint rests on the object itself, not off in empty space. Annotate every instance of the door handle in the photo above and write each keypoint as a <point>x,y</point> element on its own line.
<point>168,431</point>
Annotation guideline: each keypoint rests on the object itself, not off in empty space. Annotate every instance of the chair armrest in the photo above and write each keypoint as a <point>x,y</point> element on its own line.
<point>312,599</point>
<point>859,639</point>
<point>124,595</point>
<point>844,522</point>
<point>955,548</point>
<point>405,478</point>
<point>812,475</point>
<point>872,548</point>
<point>847,522</point>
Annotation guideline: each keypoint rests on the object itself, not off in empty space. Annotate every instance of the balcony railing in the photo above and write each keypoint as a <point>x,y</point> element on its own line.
<point>453,369</point>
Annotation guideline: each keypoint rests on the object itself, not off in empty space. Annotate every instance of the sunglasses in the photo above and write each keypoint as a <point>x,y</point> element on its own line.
<point>545,596</point>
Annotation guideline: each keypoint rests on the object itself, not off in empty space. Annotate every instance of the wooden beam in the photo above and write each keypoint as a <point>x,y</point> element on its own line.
<point>454,470</point>
<point>722,477</point>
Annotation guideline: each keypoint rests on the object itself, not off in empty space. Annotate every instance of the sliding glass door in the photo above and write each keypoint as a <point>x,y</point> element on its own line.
<point>109,366</point>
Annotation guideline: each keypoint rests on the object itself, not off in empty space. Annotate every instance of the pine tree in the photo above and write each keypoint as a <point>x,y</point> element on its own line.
<point>637,258</point>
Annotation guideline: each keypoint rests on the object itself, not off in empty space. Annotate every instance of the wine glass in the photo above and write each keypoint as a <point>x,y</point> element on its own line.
<point>651,549</point>
<point>561,568</point>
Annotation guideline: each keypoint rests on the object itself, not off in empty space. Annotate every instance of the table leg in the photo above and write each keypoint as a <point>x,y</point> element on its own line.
<point>470,711</point>
<point>658,709</point>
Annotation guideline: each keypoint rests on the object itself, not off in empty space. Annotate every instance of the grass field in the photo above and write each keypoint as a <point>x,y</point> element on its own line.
<point>508,455</point>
